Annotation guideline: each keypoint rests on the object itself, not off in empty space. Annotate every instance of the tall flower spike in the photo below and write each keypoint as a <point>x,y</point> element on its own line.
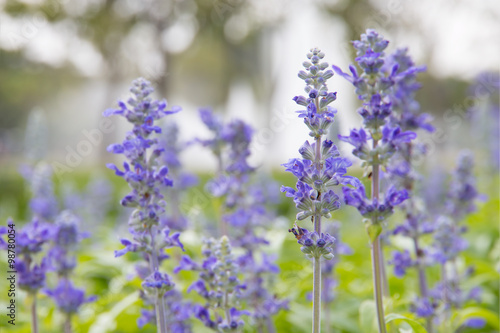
<point>376,81</point>
<point>319,170</point>
<point>218,285</point>
<point>449,241</point>
<point>406,115</point>
<point>61,258</point>
<point>43,202</point>
<point>244,215</point>
<point>146,177</point>
<point>463,194</point>
<point>30,263</point>
<point>485,114</point>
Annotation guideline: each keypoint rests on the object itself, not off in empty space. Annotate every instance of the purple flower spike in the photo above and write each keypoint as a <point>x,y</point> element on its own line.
<point>145,171</point>
<point>401,261</point>
<point>68,298</point>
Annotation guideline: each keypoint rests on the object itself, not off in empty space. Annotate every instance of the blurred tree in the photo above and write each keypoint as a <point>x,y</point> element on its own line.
<point>203,45</point>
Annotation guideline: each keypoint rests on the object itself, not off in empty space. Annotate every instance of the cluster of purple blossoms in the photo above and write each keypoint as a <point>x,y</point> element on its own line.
<point>462,198</point>
<point>373,209</point>
<point>385,85</point>
<point>406,115</point>
<point>43,203</point>
<point>147,176</point>
<point>375,87</point>
<point>314,245</point>
<point>485,114</point>
<point>218,285</point>
<point>244,210</point>
<point>448,243</point>
<point>448,236</point>
<point>47,244</point>
<point>321,166</point>
<point>245,216</point>
<point>68,298</point>
<point>65,239</point>
<point>32,263</point>
<point>406,110</point>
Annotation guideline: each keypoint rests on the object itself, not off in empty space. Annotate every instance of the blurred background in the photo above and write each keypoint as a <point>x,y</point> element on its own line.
<point>68,61</point>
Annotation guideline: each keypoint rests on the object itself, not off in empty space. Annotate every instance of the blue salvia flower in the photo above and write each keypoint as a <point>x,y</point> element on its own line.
<point>65,239</point>
<point>319,169</point>
<point>373,209</point>
<point>383,84</point>
<point>147,177</point>
<point>244,213</point>
<point>485,113</point>
<point>32,240</point>
<point>219,285</point>
<point>31,264</point>
<point>61,257</point>
<point>462,199</point>
<point>406,110</point>
<point>216,143</point>
<point>407,117</point>
<point>68,298</point>
<point>43,203</point>
<point>449,242</point>
<point>463,194</point>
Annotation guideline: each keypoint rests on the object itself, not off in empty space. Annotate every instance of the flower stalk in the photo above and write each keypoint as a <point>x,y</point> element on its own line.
<point>373,86</point>
<point>146,177</point>
<point>378,284</point>
<point>318,171</point>
<point>34,319</point>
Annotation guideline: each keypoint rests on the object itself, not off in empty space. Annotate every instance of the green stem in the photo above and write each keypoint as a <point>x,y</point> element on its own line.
<point>446,300</point>
<point>377,283</point>
<point>385,284</point>
<point>270,325</point>
<point>422,281</point>
<point>326,308</point>
<point>161,324</point>
<point>34,320</point>
<point>317,295</point>
<point>226,308</point>
<point>67,324</point>
<point>376,257</point>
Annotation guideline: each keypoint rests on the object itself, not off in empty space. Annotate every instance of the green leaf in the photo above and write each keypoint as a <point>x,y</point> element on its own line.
<point>106,321</point>
<point>368,316</point>
<point>415,325</point>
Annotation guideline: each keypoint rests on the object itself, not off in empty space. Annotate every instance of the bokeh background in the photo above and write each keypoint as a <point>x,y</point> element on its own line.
<point>64,62</point>
<point>74,59</point>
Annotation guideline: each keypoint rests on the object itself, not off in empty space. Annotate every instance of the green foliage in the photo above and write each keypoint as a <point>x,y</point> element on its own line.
<point>415,325</point>
<point>118,305</point>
